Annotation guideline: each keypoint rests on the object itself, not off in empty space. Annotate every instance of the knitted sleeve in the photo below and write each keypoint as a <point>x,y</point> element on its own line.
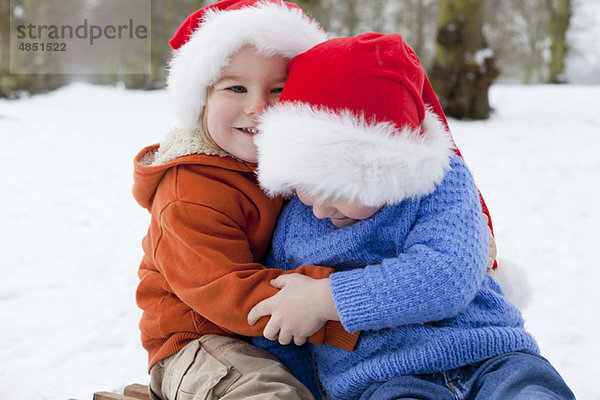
<point>438,269</point>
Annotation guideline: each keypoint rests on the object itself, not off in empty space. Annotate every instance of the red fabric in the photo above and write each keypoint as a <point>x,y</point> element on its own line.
<point>383,78</point>
<point>192,22</point>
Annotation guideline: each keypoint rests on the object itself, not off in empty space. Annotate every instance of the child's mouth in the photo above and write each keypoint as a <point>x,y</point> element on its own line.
<point>342,222</point>
<point>248,131</point>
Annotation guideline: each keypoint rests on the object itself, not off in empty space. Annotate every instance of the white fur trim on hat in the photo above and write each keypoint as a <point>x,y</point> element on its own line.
<point>270,27</point>
<point>337,155</point>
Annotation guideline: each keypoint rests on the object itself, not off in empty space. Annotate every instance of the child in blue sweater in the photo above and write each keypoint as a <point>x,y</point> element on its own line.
<point>382,197</point>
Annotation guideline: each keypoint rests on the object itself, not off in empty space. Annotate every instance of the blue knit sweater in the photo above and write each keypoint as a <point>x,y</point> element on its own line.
<point>412,279</point>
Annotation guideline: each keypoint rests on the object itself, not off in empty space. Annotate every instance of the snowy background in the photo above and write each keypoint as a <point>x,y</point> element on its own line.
<point>70,231</point>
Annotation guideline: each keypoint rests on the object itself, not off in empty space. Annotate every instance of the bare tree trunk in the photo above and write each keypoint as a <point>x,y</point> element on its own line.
<point>560,14</point>
<point>351,16</point>
<point>4,45</point>
<point>416,21</point>
<point>420,29</point>
<point>463,67</point>
<point>14,81</point>
<point>531,62</point>
<point>164,23</point>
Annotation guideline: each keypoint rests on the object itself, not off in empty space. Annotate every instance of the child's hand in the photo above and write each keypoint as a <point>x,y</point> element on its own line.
<point>299,309</point>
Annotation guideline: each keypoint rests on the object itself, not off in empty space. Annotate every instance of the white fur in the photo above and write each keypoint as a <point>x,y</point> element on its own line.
<point>181,142</point>
<point>514,281</point>
<point>271,28</point>
<point>340,155</point>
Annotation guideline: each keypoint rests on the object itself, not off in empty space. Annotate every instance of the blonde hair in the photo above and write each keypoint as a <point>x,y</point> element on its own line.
<point>204,133</point>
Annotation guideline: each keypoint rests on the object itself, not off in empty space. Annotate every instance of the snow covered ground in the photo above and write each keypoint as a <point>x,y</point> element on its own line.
<point>70,231</point>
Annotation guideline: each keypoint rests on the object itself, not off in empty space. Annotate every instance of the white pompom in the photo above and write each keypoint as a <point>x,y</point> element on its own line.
<point>514,281</point>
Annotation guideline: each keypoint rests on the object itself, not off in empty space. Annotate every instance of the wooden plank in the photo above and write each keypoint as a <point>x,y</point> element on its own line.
<point>137,391</point>
<point>112,396</point>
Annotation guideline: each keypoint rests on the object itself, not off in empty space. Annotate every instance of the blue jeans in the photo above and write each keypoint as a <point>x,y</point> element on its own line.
<point>511,376</point>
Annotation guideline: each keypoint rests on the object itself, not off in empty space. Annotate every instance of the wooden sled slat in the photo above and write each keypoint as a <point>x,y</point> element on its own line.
<point>134,391</point>
<point>137,391</point>
<point>111,396</point>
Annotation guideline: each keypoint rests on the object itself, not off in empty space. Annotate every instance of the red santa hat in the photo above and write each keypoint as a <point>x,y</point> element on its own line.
<point>352,124</point>
<point>207,39</point>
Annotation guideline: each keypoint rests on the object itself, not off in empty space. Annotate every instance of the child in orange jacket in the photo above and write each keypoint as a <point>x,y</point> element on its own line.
<point>210,222</point>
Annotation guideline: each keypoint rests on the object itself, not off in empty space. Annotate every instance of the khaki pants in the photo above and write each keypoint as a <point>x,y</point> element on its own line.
<point>220,367</point>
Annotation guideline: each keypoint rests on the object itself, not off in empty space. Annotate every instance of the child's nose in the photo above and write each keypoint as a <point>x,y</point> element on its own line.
<point>257,103</point>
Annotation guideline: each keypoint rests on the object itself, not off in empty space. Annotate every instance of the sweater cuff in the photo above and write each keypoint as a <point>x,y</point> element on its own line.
<point>318,337</point>
<point>336,335</point>
<point>349,290</point>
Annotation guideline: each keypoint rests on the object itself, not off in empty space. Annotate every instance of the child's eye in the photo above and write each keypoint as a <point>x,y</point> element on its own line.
<point>277,90</point>
<point>237,89</point>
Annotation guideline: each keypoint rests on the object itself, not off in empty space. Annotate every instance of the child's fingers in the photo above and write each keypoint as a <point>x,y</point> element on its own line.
<point>260,310</point>
<point>299,341</point>
<point>280,281</point>
<point>271,330</point>
<point>285,337</point>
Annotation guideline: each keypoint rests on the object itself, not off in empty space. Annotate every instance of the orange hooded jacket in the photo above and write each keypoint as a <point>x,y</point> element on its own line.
<point>210,226</point>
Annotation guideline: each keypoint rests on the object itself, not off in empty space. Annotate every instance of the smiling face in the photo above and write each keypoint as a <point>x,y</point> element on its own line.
<point>342,213</point>
<point>248,84</point>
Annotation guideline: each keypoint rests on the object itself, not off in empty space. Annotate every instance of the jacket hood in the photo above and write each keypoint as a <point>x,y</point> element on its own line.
<point>180,146</point>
